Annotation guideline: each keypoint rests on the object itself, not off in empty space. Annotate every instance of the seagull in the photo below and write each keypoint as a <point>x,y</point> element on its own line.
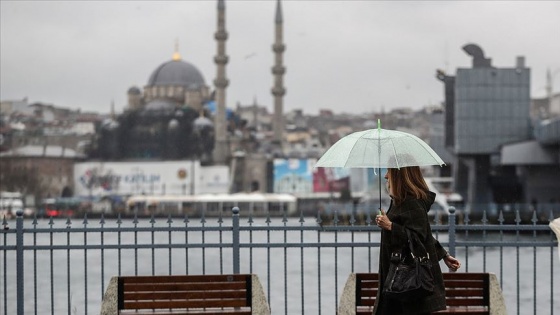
<point>250,55</point>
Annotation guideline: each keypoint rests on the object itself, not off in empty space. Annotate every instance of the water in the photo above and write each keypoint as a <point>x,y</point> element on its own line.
<point>79,275</point>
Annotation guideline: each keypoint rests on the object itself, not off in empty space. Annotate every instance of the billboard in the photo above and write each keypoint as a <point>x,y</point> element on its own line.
<point>149,178</point>
<point>331,179</point>
<point>293,175</point>
<point>299,176</point>
<point>213,180</point>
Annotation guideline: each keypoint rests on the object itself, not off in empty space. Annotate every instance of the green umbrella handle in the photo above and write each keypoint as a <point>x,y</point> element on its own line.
<point>378,138</point>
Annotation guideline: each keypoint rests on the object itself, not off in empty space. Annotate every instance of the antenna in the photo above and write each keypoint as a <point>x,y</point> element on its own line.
<point>446,56</point>
<point>176,54</point>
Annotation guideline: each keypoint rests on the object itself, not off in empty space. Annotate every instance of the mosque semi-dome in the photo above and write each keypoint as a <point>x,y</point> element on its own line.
<point>134,90</point>
<point>177,73</point>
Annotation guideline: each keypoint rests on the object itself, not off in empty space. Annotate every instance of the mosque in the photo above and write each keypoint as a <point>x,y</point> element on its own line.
<point>178,116</point>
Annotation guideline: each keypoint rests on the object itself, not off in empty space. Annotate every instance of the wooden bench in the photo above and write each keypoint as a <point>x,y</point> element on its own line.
<point>178,294</point>
<point>466,293</point>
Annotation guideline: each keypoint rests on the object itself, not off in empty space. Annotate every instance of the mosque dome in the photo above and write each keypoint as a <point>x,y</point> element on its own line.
<point>177,73</point>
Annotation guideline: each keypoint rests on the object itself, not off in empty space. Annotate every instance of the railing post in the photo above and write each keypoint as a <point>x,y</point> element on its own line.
<point>235,239</point>
<point>452,231</point>
<point>19,262</point>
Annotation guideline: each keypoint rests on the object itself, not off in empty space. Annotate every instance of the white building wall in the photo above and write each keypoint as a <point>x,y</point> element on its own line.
<point>150,178</point>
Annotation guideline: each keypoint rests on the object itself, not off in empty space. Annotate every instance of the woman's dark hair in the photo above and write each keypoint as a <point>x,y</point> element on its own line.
<point>407,182</point>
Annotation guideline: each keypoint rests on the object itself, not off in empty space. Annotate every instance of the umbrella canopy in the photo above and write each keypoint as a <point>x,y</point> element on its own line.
<point>379,148</point>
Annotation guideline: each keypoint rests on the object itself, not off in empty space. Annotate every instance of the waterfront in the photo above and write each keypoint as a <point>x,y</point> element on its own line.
<point>297,280</point>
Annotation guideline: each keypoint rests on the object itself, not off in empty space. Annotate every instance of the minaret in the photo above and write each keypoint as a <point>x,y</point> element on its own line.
<point>221,151</point>
<point>255,113</point>
<point>113,115</point>
<point>278,71</point>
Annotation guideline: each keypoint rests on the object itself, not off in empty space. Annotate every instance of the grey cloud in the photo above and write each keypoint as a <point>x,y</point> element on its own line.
<point>344,55</point>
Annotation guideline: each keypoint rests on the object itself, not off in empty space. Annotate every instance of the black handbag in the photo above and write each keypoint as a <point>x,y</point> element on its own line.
<point>410,276</point>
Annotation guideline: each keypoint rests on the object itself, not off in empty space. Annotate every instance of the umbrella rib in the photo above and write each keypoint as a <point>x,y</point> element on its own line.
<point>395,152</point>
<point>351,149</point>
<point>434,157</point>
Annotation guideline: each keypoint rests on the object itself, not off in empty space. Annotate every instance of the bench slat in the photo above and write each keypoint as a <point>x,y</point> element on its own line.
<point>182,278</point>
<point>464,310</point>
<point>450,292</point>
<point>463,284</point>
<point>364,310</point>
<point>368,276</point>
<point>368,302</point>
<point>184,304</point>
<point>210,286</point>
<point>370,284</point>
<point>182,295</point>
<point>466,302</point>
<point>368,293</point>
<point>465,276</point>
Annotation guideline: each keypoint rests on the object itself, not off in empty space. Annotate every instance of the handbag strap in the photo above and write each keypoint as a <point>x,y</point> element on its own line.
<point>412,237</point>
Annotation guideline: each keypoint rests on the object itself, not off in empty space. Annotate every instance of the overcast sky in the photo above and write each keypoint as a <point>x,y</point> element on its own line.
<point>348,56</point>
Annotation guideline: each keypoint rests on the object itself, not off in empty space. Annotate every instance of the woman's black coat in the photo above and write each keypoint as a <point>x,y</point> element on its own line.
<point>411,214</point>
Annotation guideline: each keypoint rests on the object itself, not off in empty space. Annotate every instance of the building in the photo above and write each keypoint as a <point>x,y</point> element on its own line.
<point>39,171</point>
<point>488,131</point>
<point>536,163</point>
<point>39,145</point>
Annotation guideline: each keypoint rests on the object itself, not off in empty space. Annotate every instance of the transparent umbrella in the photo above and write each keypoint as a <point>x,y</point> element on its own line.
<point>379,148</point>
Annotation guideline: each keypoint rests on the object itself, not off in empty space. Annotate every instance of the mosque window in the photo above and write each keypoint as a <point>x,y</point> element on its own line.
<point>170,91</point>
<point>179,91</point>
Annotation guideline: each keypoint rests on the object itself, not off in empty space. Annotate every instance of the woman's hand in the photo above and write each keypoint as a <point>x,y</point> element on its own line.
<point>452,262</point>
<point>383,222</point>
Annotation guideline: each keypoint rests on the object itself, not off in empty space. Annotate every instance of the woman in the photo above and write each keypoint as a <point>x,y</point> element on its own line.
<point>410,202</point>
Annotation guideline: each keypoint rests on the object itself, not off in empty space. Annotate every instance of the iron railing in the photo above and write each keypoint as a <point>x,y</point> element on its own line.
<point>62,266</point>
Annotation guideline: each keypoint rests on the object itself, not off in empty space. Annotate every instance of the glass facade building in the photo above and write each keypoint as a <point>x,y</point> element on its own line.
<point>491,109</point>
